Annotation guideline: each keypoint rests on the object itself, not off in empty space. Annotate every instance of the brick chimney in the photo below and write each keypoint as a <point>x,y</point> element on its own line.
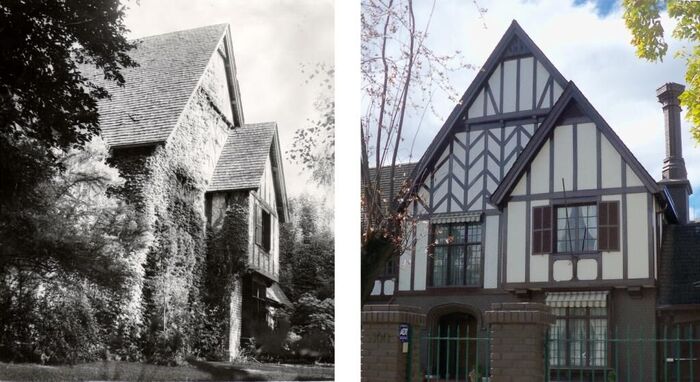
<point>674,176</point>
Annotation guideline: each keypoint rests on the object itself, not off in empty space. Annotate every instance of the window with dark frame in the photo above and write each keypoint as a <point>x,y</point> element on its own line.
<point>263,229</point>
<point>579,338</point>
<point>456,259</point>
<point>576,228</point>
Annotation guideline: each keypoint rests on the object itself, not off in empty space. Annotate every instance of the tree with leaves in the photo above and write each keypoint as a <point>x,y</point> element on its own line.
<point>643,19</point>
<point>401,75</point>
<point>313,146</point>
<point>46,105</point>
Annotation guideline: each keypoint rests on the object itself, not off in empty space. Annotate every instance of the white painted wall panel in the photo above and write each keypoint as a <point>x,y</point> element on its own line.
<point>637,234</point>
<point>389,287</point>
<point>542,77</point>
<point>539,171</point>
<point>563,157</point>
<point>509,85</point>
<point>557,91</point>
<point>587,152</point>
<point>421,266</point>
<point>526,83</point>
<point>539,268</point>
<point>562,270</point>
<point>491,252</point>
<point>459,152</point>
<point>610,164</point>
<point>631,178</point>
<point>515,267</point>
<point>587,269</point>
<point>495,84</point>
<point>462,137</point>
<point>477,108</point>
<point>377,289</point>
<point>612,261</point>
<point>405,264</point>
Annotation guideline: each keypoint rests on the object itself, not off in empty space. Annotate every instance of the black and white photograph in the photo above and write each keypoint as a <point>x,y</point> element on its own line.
<point>166,190</point>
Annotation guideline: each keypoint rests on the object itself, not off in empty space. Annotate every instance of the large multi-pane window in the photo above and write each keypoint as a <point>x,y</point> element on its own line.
<point>456,259</point>
<point>577,228</point>
<point>579,337</point>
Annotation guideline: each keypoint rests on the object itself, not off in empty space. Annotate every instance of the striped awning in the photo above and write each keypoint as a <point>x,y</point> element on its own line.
<point>587,299</point>
<point>462,217</point>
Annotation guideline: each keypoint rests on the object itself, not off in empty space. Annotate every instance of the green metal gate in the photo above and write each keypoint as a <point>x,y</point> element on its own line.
<point>456,354</point>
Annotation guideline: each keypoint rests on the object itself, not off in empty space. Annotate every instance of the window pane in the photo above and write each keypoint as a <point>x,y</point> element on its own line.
<point>577,345</point>
<point>457,266</point>
<point>439,266</point>
<point>442,232</point>
<point>474,233</point>
<point>598,336</point>
<point>557,345</point>
<point>457,234</point>
<point>473,264</point>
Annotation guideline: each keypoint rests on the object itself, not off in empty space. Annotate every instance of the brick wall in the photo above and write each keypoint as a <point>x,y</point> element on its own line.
<point>517,341</point>
<point>383,358</point>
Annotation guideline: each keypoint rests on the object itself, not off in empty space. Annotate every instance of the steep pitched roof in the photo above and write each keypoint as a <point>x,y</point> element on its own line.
<point>514,42</point>
<point>572,101</point>
<point>243,157</point>
<point>147,108</point>
<point>679,271</point>
<point>242,162</point>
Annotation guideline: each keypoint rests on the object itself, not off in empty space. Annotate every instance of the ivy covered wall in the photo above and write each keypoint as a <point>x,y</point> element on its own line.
<point>167,182</point>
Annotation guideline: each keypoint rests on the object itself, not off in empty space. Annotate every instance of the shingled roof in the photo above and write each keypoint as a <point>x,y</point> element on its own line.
<point>147,108</point>
<point>680,266</point>
<point>242,160</point>
<point>401,173</point>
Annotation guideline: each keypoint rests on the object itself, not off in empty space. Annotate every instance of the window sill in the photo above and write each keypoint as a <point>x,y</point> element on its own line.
<point>455,287</point>
<point>582,254</point>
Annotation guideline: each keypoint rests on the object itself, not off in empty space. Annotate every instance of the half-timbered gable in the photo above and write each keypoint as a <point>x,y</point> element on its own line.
<point>585,209</point>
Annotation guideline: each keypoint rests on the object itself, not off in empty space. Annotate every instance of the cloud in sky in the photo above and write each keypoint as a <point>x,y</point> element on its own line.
<point>590,45</point>
<point>271,40</point>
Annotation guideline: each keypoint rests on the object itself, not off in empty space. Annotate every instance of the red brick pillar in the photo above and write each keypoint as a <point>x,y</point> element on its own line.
<point>518,334</point>
<point>383,356</point>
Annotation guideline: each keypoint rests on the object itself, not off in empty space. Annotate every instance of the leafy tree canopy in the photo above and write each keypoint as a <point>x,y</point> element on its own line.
<point>643,18</point>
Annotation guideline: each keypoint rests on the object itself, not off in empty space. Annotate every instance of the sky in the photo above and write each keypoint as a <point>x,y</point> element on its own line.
<point>272,40</point>
<point>590,45</point>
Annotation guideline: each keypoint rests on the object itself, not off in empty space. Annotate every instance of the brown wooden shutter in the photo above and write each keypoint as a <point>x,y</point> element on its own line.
<point>609,226</point>
<point>542,230</point>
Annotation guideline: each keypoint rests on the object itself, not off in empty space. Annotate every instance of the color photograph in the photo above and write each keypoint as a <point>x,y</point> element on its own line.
<point>528,170</point>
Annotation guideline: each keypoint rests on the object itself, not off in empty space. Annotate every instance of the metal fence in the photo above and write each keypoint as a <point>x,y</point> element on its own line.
<point>629,354</point>
<point>456,354</point>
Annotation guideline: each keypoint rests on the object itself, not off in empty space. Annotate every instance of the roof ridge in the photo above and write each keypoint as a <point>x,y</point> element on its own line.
<point>177,31</point>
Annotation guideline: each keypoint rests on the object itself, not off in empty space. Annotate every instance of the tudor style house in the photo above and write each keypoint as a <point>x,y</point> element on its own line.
<point>176,132</point>
<point>527,194</point>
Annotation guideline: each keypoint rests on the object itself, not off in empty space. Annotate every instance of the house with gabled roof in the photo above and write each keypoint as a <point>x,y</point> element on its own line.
<point>526,194</point>
<point>176,132</point>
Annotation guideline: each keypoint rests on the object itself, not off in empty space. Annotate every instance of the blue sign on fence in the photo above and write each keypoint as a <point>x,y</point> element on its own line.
<point>403,333</point>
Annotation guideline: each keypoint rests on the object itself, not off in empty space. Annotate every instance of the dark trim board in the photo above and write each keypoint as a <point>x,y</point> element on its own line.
<point>578,194</point>
<point>646,283</point>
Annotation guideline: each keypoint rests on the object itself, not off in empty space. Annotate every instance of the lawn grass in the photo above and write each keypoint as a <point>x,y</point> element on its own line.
<point>134,371</point>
